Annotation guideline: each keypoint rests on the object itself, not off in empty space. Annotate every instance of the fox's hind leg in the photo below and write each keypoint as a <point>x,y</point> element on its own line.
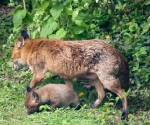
<point>113,84</point>
<point>69,83</point>
<point>100,90</point>
<point>94,81</point>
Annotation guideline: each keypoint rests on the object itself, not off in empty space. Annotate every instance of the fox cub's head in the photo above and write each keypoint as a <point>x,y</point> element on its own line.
<point>32,101</point>
<point>16,54</point>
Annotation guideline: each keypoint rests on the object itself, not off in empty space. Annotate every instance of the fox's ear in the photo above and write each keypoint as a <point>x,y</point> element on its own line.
<point>36,96</point>
<point>24,34</point>
<point>20,42</point>
<point>28,89</point>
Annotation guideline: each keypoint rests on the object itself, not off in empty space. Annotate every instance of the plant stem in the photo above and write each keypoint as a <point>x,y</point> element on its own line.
<point>24,4</point>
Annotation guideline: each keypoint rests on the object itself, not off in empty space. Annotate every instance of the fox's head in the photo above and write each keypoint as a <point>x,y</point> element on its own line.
<point>16,54</point>
<point>32,101</point>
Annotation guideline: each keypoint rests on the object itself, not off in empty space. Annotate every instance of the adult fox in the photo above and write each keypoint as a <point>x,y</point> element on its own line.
<point>95,60</point>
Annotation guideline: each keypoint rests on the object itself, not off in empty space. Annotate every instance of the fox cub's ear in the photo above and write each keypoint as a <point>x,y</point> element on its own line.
<point>29,89</point>
<point>24,34</point>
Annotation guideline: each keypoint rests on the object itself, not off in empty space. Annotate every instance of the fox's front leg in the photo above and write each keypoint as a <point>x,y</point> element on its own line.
<point>36,80</point>
<point>38,76</point>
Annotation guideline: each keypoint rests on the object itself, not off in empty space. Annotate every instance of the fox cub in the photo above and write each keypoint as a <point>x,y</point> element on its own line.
<point>56,95</point>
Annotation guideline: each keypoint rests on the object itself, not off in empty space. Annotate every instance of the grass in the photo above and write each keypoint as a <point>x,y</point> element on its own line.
<point>13,111</point>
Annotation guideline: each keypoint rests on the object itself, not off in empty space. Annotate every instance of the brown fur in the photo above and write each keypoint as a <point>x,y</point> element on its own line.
<point>56,95</point>
<point>95,60</point>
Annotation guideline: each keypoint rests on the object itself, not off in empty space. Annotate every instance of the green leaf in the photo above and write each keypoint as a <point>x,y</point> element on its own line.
<point>69,10</point>
<point>56,11</point>
<point>42,6</point>
<point>136,67</point>
<point>18,15</point>
<point>52,36</point>
<point>78,29</point>
<point>109,11</point>
<point>28,18</point>
<point>147,2</point>
<point>45,4</point>
<point>47,74</point>
<point>75,14</point>
<point>48,28</point>
<point>60,33</point>
<point>92,26</point>
<point>145,29</point>
<point>34,34</point>
<point>80,23</point>
<point>127,36</point>
<point>143,50</point>
<point>133,27</point>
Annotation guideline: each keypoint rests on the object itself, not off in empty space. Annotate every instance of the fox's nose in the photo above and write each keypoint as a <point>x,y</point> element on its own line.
<point>13,67</point>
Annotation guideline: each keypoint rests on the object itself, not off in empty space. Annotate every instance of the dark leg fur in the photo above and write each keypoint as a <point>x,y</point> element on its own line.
<point>124,116</point>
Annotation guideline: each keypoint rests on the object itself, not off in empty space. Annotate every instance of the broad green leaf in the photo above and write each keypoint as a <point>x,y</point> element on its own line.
<point>78,29</point>
<point>34,34</point>
<point>143,50</point>
<point>84,16</point>
<point>48,28</point>
<point>145,29</point>
<point>52,36</point>
<point>133,27</point>
<point>80,23</point>
<point>60,33</point>
<point>92,26</point>
<point>18,15</point>
<point>75,14</point>
<point>76,1</point>
<point>56,11</point>
<point>28,18</point>
<point>117,7</point>
<point>136,67</point>
<point>42,6</point>
<point>41,1</point>
<point>127,36</point>
<point>45,4</point>
<point>69,10</point>
<point>47,74</point>
<point>46,17</point>
<point>109,11</point>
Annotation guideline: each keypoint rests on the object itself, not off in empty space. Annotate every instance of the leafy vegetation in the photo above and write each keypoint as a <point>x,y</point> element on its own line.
<point>123,23</point>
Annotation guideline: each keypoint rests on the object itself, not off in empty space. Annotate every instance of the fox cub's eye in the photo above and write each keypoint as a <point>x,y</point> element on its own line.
<point>32,107</point>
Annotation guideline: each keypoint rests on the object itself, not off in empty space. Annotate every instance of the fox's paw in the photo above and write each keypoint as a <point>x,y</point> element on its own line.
<point>124,116</point>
